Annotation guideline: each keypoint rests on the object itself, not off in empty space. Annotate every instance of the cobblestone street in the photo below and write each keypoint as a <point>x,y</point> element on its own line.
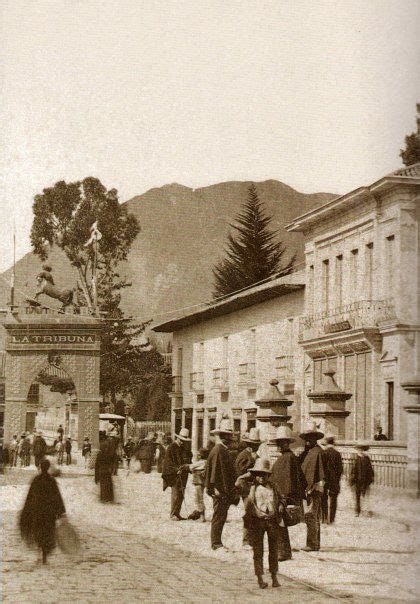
<point>132,552</point>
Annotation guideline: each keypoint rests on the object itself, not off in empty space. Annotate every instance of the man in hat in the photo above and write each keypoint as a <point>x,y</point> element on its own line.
<point>313,471</point>
<point>361,474</point>
<point>220,481</point>
<point>262,515</point>
<point>245,460</point>
<point>333,468</point>
<point>39,448</point>
<point>175,472</point>
<point>145,452</point>
<point>289,482</point>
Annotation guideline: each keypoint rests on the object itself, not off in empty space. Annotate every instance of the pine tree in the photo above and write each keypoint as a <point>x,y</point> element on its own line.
<point>253,253</point>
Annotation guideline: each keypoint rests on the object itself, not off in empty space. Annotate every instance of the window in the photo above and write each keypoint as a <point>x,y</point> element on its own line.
<point>369,271</point>
<point>354,267</point>
<point>33,394</point>
<point>200,433</point>
<point>339,280</point>
<point>179,362</point>
<point>237,425</point>
<point>2,394</point>
<point>251,422</point>
<point>325,285</point>
<point>212,423</point>
<point>200,399</point>
<point>225,351</point>
<point>390,405</point>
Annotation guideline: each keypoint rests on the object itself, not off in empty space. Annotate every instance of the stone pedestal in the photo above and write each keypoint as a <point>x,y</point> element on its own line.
<point>272,413</point>
<point>413,438</point>
<point>330,412</point>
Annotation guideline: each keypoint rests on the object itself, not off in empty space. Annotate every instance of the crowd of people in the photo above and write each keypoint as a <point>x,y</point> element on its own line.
<point>275,496</point>
<point>28,446</point>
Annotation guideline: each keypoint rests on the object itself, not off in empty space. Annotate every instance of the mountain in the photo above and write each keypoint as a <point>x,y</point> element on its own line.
<point>183,233</point>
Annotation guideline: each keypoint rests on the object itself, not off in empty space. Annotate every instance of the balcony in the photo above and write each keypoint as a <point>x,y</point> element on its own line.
<point>363,314</point>
<point>247,374</point>
<point>176,384</point>
<point>221,379</point>
<point>197,381</point>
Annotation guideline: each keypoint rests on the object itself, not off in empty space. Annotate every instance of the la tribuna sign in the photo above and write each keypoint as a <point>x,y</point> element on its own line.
<point>45,338</point>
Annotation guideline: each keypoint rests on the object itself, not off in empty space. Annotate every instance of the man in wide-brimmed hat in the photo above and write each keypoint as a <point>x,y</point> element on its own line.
<point>244,461</point>
<point>333,467</point>
<point>220,481</point>
<point>361,473</point>
<point>289,482</point>
<point>262,515</point>
<point>313,471</point>
<point>175,472</point>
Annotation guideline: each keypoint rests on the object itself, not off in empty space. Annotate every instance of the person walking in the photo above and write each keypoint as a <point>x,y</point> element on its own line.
<point>313,471</point>
<point>198,471</point>
<point>361,474</point>
<point>129,449</point>
<point>289,482</point>
<point>104,469</point>
<point>333,468</point>
<point>67,448</point>
<point>59,447</point>
<point>13,450</point>
<point>175,471</point>
<point>145,453</point>
<point>220,481</point>
<point>39,448</point>
<point>245,460</point>
<point>160,451</point>
<point>60,432</point>
<point>86,451</point>
<point>263,515</point>
<point>43,506</point>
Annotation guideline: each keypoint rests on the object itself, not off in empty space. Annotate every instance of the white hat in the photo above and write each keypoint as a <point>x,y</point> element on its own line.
<point>311,430</point>
<point>225,427</point>
<point>362,444</point>
<point>253,436</point>
<point>184,434</point>
<point>261,466</point>
<point>283,433</point>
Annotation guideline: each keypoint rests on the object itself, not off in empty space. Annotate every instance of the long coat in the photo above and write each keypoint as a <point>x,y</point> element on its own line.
<point>361,474</point>
<point>39,446</point>
<point>173,460</point>
<point>243,462</point>
<point>220,473</point>
<point>43,506</point>
<point>313,467</point>
<point>333,468</point>
<point>288,478</point>
<point>104,468</point>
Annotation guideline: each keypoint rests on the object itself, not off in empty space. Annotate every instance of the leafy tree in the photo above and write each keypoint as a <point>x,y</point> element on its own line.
<point>63,216</point>
<point>253,253</point>
<point>411,154</point>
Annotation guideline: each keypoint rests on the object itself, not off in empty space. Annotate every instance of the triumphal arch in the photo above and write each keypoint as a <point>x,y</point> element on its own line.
<point>43,342</point>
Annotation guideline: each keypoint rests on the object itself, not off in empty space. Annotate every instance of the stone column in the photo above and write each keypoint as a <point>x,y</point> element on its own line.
<point>413,438</point>
<point>88,424</point>
<point>331,406</point>
<point>272,413</point>
<point>15,417</point>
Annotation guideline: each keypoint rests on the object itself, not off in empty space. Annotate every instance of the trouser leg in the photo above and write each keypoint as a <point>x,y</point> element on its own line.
<point>313,524</point>
<point>333,506</point>
<point>177,497</point>
<point>199,498</point>
<point>285,550</point>
<point>324,506</point>
<point>256,535</point>
<point>273,547</point>
<point>245,532</point>
<point>358,501</point>
<point>220,512</point>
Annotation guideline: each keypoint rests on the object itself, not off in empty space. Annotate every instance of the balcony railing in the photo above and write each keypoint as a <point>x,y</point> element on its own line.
<point>365,313</point>
<point>177,384</point>
<point>167,358</point>
<point>221,379</point>
<point>285,369</point>
<point>197,381</point>
<point>247,373</point>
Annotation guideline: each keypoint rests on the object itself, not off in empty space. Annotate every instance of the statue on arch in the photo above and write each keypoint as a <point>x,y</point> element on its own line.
<point>47,286</point>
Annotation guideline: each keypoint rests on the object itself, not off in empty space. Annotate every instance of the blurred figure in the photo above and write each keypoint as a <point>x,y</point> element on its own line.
<point>39,448</point>
<point>25,450</point>
<point>13,450</point>
<point>86,451</point>
<point>333,468</point>
<point>379,434</point>
<point>59,447</point>
<point>104,469</point>
<point>43,506</point>
<point>129,449</point>
<point>160,450</point>
<point>67,448</point>
<point>60,432</point>
<point>145,453</point>
<point>361,474</point>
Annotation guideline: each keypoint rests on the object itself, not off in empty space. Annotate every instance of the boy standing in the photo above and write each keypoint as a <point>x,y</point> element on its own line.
<point>198,471</point>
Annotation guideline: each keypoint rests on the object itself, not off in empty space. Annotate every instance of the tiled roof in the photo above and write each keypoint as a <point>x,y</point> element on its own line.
<point>409,171</point>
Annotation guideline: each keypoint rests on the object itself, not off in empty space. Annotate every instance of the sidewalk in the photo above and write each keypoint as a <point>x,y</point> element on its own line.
<point>365,557</point>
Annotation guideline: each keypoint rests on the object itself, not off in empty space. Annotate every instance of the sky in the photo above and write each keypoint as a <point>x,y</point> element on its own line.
<point>142,93</point>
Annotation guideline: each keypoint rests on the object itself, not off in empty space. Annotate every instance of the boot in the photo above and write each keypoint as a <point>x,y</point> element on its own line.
<point>275,581</point>
<point>262,584</point>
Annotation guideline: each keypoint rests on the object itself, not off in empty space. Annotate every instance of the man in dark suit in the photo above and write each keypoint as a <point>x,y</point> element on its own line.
<point>333,468</point>
<point>244,461</point>
<point>175,472</point>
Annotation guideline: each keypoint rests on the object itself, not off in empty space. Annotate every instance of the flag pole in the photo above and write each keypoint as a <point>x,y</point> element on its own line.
<point>12,281</point>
